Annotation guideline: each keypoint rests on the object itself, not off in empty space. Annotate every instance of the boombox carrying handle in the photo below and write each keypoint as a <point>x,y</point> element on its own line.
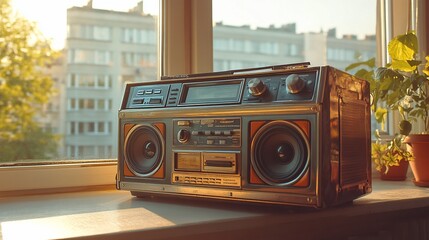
<point>241,71</point>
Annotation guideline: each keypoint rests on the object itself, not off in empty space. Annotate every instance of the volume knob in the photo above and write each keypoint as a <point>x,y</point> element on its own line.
<point>294,84</point>
<point>183,136</point>
<point>256,87</point>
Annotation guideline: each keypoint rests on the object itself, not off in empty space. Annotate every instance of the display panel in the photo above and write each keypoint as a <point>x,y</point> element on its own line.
<point>225,92</point>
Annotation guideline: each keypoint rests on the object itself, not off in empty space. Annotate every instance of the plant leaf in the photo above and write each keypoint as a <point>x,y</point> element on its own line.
<point>405,65</point>
<point>426,70</point>
<point>403,47</point>
<point>369,63</point>
<point>380,114</point>
<point>383,72</point>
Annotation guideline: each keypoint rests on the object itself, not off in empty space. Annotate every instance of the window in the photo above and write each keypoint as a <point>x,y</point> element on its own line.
<point>103,61</point>
<point>91,32</point>
<point>89,38</point>
<point>139,36</point>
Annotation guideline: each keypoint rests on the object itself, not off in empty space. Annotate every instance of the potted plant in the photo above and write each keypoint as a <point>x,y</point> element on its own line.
<point>403,86</point>
<point>390,160</point>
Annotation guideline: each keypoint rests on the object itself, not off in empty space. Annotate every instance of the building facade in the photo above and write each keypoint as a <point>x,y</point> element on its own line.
<point>105,49</point>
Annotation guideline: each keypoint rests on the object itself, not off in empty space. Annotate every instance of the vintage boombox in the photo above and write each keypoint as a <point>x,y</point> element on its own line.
<point>289,134</point>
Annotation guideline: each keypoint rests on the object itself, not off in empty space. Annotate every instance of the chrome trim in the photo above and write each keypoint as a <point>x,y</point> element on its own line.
<point>224,193</point>
<point>214,111</point>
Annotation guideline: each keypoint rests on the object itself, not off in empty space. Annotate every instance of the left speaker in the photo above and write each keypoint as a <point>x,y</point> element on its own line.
<point>144,149</point>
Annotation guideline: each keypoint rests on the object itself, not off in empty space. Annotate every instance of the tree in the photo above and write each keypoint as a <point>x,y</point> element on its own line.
<point>24,88</point>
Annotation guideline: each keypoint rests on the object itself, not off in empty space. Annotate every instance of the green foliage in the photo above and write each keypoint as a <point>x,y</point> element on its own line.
<point>24,87</point>
<point>386,155</point>
<point>403,85</point>
<point>400,86</point>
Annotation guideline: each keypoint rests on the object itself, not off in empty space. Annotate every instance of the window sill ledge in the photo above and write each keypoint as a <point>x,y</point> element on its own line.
<point>111,214</point>
<point>55,176</point>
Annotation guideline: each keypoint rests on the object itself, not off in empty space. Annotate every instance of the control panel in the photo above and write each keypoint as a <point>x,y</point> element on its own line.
<point>299,86</point>
<point>280,88</point>
<point>225,132</point>
<point>148,96</point>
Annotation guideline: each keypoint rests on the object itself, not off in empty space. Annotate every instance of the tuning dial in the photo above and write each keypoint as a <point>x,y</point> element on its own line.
<point>256,87</point>
<point>294,84</point>
<point>183,136</point>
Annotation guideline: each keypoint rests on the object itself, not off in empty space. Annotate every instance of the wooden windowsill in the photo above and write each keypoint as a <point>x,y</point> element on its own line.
<point>112,214</point>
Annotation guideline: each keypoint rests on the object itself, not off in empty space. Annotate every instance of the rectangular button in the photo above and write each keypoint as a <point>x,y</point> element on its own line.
<point>137,101</point>
<point>183,123</point>
<point>227,133</point>
<point>140,92</point>
<point>157,91</point>
<point>155,101</point>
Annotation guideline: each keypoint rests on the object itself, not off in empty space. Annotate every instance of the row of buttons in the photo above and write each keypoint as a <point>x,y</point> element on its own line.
<point>234,142</point>
<point>199,180</point>
<point>211,133</point>
<point>148,91</point>
<point>147,101</point>
<point>173,96</point>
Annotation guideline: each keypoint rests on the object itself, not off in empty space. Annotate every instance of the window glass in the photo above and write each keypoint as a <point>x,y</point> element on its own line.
<point>271,32</point>
<point>85,43</point>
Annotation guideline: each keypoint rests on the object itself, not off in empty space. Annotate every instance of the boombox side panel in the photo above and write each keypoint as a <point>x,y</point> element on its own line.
<point>349,141</point>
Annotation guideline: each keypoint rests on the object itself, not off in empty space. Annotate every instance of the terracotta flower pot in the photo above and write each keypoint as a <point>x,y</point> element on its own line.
<point>395,173</point>
<point>418,145</point>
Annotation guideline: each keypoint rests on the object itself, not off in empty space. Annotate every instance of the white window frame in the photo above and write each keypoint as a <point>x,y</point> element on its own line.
<point>186,33</point>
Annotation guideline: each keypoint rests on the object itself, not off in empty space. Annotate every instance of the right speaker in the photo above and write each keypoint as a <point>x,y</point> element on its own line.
<point>280,152</point>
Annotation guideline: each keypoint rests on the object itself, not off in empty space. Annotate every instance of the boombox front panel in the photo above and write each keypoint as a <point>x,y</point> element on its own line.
<point>244,149</point>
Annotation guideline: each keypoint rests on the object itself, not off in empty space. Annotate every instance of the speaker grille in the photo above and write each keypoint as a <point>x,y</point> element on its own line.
<point>144,150</point>
<point>353,143</point>
<point>280,153</point>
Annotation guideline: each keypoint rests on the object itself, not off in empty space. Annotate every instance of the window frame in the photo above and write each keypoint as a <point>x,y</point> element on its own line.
<point>185,35</point>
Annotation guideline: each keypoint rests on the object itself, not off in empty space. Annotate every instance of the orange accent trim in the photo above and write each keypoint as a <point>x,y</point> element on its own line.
<point>254,126</point>
<point>127,171</point>
<point>254,178</point>
<point>127,128</point>
<point>304,125</point>
<point>161,128</point>
<point>304,181</point>
<point>161,171</point>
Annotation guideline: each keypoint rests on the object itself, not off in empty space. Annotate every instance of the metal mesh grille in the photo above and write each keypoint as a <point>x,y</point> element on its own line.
<point>354,143</point>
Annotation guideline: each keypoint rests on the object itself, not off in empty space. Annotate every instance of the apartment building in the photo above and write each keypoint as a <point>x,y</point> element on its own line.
<point>105,49</point>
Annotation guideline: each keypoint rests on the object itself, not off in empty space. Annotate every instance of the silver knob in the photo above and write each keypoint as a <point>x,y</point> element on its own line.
<point>294,84</point>
<point>256,87</point>
<point>183,136</point>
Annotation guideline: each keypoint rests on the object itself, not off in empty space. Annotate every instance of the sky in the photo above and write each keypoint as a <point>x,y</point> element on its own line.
<point>347,16</point>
